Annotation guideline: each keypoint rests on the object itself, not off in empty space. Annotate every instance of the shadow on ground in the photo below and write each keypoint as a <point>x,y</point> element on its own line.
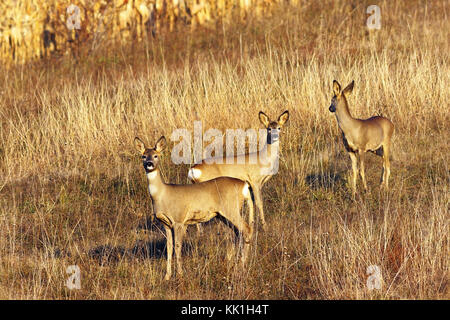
<point>327,180</point>
<point>156,248</point>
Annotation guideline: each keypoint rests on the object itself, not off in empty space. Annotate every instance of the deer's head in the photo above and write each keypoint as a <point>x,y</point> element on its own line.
<point>273,127</point>
<point>150,156</point>
<point>340,95</point>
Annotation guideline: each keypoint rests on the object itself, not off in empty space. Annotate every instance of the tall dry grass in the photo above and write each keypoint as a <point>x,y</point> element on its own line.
<point>72,190</point>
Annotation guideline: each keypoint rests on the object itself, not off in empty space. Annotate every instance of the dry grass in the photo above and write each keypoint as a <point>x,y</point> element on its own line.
<point>72,190</point>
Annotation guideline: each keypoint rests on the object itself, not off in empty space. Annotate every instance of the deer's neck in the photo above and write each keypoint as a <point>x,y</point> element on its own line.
<point>345,120</point>
<point>270,152</point>
<point>273,148</point>
<point>156,185</point>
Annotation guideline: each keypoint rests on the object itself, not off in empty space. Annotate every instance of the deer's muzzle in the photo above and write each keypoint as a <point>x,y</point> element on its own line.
<point>149,166</point>
<point>272,136</point>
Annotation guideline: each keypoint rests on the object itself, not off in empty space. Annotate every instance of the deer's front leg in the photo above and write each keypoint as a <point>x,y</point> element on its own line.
<point>355,171</point>
<point>169,251</point>
<point>180,231</point>
<point>362,157</point>
<point>259,205</point>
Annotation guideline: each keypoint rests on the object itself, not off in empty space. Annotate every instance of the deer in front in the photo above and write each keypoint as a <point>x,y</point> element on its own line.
<point>359,136</point>
<point>178,206</point>
<point>252,167</point>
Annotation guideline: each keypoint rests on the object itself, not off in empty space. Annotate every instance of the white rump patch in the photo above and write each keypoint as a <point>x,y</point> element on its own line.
<point>194,174</point>
<point>246,191</point>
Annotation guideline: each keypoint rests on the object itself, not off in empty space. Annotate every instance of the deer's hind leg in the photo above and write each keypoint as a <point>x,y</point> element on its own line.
<point>251,214</point>
<point>180,231</point>
<point>386,166</point>
<point>245,231</point>
<point>259,204</point>
<point>362,156</point>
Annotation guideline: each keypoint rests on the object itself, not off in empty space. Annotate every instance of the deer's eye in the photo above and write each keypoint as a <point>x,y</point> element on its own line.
<point>155,157</point>
<point>143,157</point>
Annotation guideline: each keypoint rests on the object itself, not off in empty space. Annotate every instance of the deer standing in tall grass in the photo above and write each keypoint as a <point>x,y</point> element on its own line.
<point>359,136</point>
<point>178,206</point>
<point>255,168</point>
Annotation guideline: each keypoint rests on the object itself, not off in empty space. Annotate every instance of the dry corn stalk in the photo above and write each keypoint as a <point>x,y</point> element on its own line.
<point>34,29</point>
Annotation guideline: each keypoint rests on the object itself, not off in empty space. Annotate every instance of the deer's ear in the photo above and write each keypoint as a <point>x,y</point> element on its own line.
<point>161,144</point>
<point>264,119</point>
<point>336,88</point>
<point>349,89</point>
<point>139,145</point>
<point>283,118</point>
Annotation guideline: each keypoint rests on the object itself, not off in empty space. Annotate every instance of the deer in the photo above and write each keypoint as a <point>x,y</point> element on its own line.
<point>360,136</point>
<point>247,167</point>
<point>178,206</point>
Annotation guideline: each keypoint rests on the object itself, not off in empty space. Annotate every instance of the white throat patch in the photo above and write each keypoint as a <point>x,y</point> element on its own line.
<point>194,173</point>
<point>151,175</point>
<point>152,189</point>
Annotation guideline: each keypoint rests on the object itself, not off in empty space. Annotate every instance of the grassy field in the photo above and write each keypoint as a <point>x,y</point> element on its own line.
<point>73,192</point>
